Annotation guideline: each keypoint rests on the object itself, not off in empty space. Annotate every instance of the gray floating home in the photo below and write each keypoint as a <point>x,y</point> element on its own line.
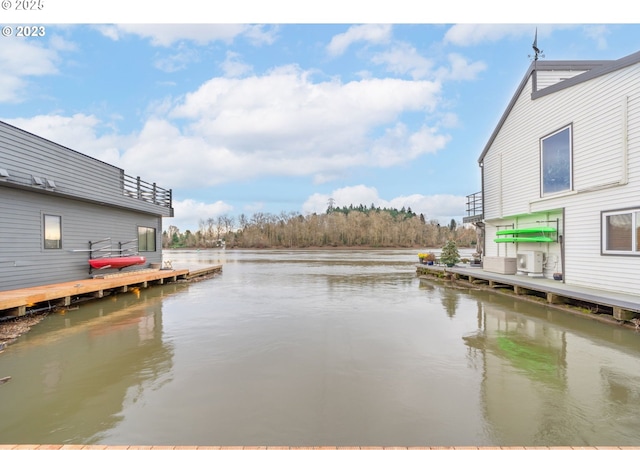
<point>59,208</point>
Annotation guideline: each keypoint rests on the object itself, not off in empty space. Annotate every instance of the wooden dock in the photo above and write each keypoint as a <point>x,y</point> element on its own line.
<point>18,302</point>
<point>621,307</point>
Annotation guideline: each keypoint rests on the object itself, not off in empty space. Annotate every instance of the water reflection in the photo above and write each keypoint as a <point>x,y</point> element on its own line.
<point>543,382</point>
<point>320,348</point>
<point>72,373</point>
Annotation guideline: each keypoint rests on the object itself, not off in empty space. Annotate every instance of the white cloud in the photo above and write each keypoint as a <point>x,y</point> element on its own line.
<point>165,35</point>
<point>466,35</point>
<point>178,60</point>
<point>279,124</point>
<point>425,140</point>
<point>405,59</point>
<point>188,213</point>
<point>233,66</point>
<point>599,34</point>
<point>21,59</point>
<point>78,132</point>
<point>442,207</point>
<point>282,123</point>
<point>375,34</point>
<point>350,195</point>
<point>461,69</point>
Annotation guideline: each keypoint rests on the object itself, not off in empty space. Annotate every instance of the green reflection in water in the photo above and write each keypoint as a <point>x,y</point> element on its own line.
<point>533,359</point>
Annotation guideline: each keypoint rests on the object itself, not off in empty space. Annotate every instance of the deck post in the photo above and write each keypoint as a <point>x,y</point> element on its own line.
<point>553,298</point>
<point>622,314</point>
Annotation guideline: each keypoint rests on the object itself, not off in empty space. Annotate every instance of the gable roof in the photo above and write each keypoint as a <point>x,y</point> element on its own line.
<point>592,69</point>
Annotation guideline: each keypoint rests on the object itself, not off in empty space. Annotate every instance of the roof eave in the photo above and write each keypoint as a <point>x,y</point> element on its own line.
<point>592,68</point>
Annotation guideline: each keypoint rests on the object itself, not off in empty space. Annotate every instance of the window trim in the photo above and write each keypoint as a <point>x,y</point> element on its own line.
<point>44,231</point>
<point>155,239</point>
<point>635,238</point>
<point>544,194</point>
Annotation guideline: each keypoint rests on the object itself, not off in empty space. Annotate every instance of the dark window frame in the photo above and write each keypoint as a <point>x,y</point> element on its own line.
<point>51,242</point>
<point>547,170</point>
<point>146,236</point>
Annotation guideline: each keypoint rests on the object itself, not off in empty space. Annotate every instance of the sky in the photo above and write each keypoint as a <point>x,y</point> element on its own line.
<point>283,113</point>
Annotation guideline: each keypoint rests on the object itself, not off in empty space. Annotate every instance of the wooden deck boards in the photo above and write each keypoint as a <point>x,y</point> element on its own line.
<point>22,298</point>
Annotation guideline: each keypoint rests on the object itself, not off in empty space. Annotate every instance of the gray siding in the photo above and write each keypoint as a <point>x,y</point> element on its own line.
<point>75,175</point>
<point>95,200</point>
<point>25,262</point>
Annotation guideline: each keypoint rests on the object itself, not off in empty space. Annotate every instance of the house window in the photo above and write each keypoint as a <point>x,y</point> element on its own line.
<point>146,239</point>
<point>52,231</point>
<point>621,232</point>
<point>555,162</point>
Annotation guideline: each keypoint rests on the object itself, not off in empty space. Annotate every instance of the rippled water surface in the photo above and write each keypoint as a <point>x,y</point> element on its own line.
<point>319,348</point>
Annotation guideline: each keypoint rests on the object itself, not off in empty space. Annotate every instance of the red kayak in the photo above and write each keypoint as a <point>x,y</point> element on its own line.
<point>116,262</point>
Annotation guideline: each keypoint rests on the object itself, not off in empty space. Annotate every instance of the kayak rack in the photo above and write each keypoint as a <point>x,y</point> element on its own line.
<point>530,233</point>
<point>108,251</point>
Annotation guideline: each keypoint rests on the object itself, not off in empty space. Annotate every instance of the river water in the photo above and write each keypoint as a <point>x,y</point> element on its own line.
<point>319,348</point>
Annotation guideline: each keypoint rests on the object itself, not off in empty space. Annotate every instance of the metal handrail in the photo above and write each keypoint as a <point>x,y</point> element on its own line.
<point>149,192</point>
<point>474,204</point>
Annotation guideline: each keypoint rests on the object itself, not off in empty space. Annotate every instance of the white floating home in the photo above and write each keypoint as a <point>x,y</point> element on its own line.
<point>561,177</point>
<point>60,208</point>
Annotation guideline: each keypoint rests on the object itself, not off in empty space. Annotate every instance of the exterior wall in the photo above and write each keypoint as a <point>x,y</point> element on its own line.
<point>25,262</point>
<point>95,200</point>
<point>550,77</point>
<point>75,175</point>
<point>603,112</point>
<point>552,250</point>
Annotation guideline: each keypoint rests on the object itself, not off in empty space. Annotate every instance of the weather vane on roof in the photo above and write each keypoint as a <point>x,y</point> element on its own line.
<point>537,53</point>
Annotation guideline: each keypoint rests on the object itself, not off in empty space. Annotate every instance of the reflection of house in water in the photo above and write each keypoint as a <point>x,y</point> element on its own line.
<point>107,356</point>
<point>543,383</point>
<point>449,298</point>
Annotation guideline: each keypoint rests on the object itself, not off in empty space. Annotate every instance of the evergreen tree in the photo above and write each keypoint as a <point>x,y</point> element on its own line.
<point>450,254</point>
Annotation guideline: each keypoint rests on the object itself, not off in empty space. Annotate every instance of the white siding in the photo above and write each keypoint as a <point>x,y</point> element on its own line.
<point>547,78</point>
<point>551,250</point>
<point>596,111</point>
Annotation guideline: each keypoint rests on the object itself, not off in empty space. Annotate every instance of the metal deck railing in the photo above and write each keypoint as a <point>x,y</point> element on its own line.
<point>474,208</point>
<point>149,192</point>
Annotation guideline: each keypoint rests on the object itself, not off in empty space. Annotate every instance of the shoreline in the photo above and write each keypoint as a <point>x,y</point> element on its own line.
<point>12,329</point>
<point>342,247</point>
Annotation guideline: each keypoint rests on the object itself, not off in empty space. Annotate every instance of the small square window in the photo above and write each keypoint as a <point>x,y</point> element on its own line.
<point>621,232</point>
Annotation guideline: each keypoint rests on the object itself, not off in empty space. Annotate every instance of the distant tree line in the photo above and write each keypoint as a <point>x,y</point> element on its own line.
<point>351,226</point>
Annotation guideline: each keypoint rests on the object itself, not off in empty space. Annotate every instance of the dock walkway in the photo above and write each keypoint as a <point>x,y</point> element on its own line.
<point>624,307</point>
<point>18,301</point>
